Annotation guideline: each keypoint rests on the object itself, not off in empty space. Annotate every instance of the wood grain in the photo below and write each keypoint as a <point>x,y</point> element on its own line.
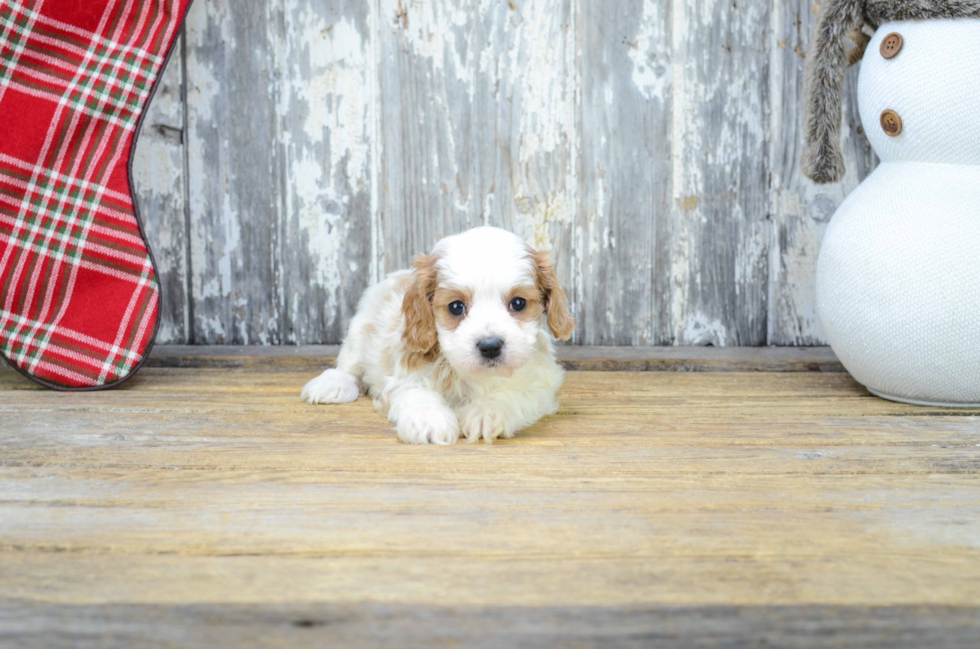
<point>478,122</point>
<point>386,625</point>
<point>217,487</point>
<point>574,358</point>
<point>719,252</point>
<point>326,80</point>
<point>651,144</point>
<point>160,182</point>
<point>623,268</point>
<point>234,172</point>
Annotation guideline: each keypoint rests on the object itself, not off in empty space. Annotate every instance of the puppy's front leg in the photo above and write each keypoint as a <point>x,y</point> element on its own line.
<point>422,416</point>
<point>502,414</point>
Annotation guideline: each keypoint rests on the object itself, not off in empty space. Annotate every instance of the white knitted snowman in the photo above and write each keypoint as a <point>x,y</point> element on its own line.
<point>898,278</point>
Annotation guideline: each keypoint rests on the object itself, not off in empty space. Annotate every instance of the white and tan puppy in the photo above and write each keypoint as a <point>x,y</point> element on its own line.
<point>458,345</point>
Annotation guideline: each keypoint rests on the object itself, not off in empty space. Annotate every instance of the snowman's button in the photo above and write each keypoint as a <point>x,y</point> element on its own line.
<point>892,45</point>
<point>891,123</point>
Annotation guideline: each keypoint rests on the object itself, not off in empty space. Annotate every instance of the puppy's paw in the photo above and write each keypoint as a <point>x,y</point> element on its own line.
<point>482,422</point>
<point>333,386</point>
<point>428,426</point>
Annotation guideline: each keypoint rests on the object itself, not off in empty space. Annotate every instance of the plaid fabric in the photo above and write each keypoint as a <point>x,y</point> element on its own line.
<point>78,291</point>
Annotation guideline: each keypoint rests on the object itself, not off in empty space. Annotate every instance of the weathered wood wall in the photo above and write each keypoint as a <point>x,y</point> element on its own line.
<point>300,150</point>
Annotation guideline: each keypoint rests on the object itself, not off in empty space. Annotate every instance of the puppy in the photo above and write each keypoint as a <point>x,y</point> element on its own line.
<point>458,345</point>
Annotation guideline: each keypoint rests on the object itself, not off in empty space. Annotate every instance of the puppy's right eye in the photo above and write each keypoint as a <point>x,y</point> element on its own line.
<point>457,308</point>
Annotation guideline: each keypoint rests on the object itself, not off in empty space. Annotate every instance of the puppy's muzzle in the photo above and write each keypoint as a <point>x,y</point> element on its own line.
<point>490,348</point>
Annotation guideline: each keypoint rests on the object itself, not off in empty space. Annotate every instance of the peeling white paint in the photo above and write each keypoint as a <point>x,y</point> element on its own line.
<point>542,65</point>
<point>433,30</point>
<point>753,253</point>
<point>324,229</point>
<point>203,87</point>
<point>158,168</point>
<point>214,326</point>
<point>543,73</point>
<point>649,50</point>
<point>555,209</point>
<point>701,330</point>
<point>685,179</point>
<point>480,103</point>
<point>333,92</point>
<point>158,178</point>
<point>378,264</point>
<point>325,87</point>
<point>231,241</point>
<point>211,269</point>
<point>720,138</point>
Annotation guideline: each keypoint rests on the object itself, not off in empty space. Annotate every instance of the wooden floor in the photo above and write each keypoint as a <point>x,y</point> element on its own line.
<point>203,506</point>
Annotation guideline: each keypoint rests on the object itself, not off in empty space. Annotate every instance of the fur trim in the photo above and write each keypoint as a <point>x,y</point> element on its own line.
<point>882,11</point>
<point>826,64</point>
<point>828,60</point>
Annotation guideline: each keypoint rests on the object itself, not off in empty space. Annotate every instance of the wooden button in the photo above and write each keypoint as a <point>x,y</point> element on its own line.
<point>891,123</point>
<point>892,45</point>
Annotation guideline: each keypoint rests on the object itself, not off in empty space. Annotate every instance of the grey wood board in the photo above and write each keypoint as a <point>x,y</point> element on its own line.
<point>25,623</point>
<point>719,254</point>
<point>477,122</point>
<point>314,358</point>
<point>160,183</point>
<point>652,145</point>
<point>622,234</point>
<point>326,88</point>
<point>233,172</point>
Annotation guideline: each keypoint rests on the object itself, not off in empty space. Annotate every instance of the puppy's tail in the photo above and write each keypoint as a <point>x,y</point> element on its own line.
<point>826,64</point>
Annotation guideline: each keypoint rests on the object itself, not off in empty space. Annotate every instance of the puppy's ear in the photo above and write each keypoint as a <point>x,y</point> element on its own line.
<point>560,321</point>
<point>420,336</point>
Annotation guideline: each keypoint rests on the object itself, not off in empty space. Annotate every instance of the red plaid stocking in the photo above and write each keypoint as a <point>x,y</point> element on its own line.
<point>78,290</point>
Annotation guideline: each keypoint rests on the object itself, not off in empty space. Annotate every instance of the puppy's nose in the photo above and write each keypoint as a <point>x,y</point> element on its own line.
<point>490,347</point>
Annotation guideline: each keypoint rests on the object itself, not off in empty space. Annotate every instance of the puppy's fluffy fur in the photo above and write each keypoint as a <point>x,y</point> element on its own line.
<point>418,357</point>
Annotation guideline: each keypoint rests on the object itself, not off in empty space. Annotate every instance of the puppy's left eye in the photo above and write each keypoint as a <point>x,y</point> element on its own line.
<point>457,308</point>
<point>518,304</point>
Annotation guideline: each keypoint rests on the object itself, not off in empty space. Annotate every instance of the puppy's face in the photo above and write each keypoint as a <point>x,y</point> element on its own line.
<point>480,300</point>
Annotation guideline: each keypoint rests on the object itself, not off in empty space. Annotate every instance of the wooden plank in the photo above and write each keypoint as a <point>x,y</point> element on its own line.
<point>681,489</point>
<point>327,77</point>
<point>801,209</point>
<point>233,172</point>
<point>652,143</point>
<point>574,358</point>
<point>313,358</point>
<point>700,359</point>
<point>622,243</point>
<point>360,625</point>
<point>637,139</point>
<point>720,230</point>
<point>197,504</point>
<point>160,181</point>
<point>478,122</point>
